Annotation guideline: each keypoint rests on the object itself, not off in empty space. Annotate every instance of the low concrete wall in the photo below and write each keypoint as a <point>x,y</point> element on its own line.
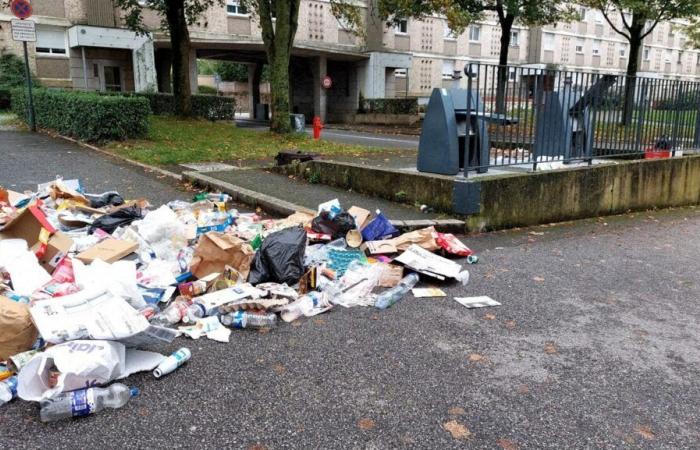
<point>513,200</point>
<point>386,119</point>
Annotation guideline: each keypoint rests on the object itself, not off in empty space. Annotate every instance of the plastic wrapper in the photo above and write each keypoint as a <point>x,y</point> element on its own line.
<point>119,218</point>
<point>450,244</point>
<point>280,258</point>
<point>336,225</point>
<point>355,287</point>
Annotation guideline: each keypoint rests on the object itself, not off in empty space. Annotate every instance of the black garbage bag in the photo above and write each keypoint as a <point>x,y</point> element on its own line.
<point>119,218</point>
<point>280,258</point>
<point>337,227</point>
<point>105,199</point>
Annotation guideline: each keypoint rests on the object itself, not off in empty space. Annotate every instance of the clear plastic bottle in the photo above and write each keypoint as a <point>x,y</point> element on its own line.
<point>218,197</point>
<point>393,295</point>
<point>86,401</point>
<point>243,319</point>
<point>171,315</point>
<point>8,390</point>
<point>194,311</point>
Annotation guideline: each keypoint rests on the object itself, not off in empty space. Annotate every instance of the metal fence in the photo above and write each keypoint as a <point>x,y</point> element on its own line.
<point>532,116</point>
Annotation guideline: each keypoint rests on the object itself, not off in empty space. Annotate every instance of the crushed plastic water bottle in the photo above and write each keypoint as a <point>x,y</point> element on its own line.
<point>8,390</point>
<point>87,401</point>
<point>243,319</point>
<point>393,295</point>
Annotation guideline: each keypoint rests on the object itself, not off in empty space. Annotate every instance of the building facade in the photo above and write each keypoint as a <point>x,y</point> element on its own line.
<point>83,44</point>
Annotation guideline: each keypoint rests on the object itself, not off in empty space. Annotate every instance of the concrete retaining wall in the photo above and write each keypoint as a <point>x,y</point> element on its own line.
<point>505,201</point>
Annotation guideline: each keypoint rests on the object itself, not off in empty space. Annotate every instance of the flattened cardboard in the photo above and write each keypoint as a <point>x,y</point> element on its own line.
<point>362,216</point>
<point>378,247</point>
<point>215,251</point>
<point>391,275</point>
<point>110,250</point>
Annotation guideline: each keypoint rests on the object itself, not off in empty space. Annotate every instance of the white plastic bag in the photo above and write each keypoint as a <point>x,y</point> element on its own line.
<point>81,364</point>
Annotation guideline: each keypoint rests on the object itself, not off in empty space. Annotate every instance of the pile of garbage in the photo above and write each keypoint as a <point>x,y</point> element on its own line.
<point>88,281</point>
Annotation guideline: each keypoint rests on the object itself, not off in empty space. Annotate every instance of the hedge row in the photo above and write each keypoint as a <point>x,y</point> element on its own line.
<point>206,106</point>
<point>86,115</point>
<point>390,105</point>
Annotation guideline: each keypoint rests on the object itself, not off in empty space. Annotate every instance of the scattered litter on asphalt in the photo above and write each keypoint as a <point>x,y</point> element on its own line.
<point>91,284</point>
<point>477,302</point>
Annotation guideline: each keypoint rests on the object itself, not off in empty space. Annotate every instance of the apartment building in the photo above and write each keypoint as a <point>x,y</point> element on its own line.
<point>83,44</point>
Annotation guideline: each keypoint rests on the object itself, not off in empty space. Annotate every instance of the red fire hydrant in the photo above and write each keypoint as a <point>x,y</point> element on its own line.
<point>318,126</point>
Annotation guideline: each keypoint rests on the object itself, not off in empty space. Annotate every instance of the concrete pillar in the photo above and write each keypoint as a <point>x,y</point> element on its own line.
<point>254,77</point>
<point>320,70</point>
<point>164,64</point>
<point>194,85</point>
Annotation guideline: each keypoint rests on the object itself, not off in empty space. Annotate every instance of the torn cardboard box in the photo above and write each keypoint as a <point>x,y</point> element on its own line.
<point>216,250</point>
<point>28,225</point>
<point>379,247</point>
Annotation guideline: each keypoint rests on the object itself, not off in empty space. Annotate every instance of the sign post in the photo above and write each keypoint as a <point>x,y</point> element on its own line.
<point>25,31</point>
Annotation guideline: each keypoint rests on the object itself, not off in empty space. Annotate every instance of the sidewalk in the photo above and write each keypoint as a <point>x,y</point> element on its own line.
<point>311,195</point>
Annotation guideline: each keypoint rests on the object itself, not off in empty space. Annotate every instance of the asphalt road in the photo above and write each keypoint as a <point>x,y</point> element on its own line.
<point>595,346</point>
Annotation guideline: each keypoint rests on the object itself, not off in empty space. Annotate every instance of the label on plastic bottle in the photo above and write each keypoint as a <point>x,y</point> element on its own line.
<point>12,384</point>
<point>82,402</point>
<point>239,320</point>
<point>180,356</point>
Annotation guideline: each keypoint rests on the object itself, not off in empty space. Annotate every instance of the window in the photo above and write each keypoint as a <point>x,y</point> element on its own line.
<point>234,8</point>
<point>595,51</point>
<point>512,75</point>
<point>598,17</point>
<point>50,40</point>
<point>514,38</point>
<point>623,51</point>
<point>447,33</point>
<point>579,45</point>
<point>448,69</point>
<point>548,42</point>
<point>582,13</point>
<point>401,27</point>
<point>680,57</point>
<point>669,55</point>
<point>400,73</point>
<point>697,61</point>
<point>646,54</point>
<point>474,33</point>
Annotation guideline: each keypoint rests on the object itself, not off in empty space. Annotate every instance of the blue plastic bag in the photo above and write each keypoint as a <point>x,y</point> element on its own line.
<point>378,229</point>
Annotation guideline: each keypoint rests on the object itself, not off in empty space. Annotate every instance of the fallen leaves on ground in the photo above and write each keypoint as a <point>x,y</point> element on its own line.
<point>489,317</point>
<point>550,348</point>
<point>366,424</point>
<point>510,324</point>
<point>279,368</point>
<point>523,389</point>
<point>475,357</point>
<point>319,321</point>
<point>457,430</point>
<point>257,447</point>
<point>456,411</point>
<point>506,444</point>
<point>538,279</point>
<point>296,323</point>
<point>645,432</point>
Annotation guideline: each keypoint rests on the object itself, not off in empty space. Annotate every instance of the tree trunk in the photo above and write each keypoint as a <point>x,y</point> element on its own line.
<point>506,27</point>
<point>279,92</point>
<point>278,40</point>
<point>180,47</point>
<point>636,29</point>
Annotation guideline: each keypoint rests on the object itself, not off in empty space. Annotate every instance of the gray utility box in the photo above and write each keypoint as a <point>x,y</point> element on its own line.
<point>565,120</point>
<point>455,132</point>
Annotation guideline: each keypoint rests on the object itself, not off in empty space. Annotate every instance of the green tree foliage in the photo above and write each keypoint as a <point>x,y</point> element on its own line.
<point>638,19</point>
<point>460,13</point>
<point>175,15</point>
<point>11,70</point>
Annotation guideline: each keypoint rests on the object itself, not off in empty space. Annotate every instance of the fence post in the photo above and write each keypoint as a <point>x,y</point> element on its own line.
<point>640,116</point>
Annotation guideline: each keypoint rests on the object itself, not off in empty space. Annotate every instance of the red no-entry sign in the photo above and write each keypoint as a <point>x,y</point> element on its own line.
<point>327,82</point>
<point>22,9</point>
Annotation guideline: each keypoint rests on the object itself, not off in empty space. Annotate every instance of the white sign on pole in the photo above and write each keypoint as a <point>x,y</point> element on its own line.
<point>23,30</point>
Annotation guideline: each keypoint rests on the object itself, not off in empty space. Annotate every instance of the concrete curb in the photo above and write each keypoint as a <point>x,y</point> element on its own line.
<point>275,205</point>
<point>167,173</point>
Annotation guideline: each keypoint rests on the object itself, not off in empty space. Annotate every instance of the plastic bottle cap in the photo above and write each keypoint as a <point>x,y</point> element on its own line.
<point>134,391</point>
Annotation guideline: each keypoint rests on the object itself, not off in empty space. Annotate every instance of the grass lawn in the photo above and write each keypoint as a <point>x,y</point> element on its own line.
<point>175,141</point>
